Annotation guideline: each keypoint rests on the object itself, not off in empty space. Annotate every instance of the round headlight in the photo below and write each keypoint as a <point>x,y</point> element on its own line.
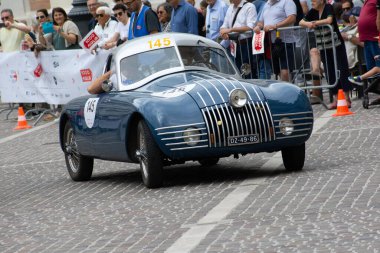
<point>286,126</point>
<point>191,136</point>
<point>238,98</point>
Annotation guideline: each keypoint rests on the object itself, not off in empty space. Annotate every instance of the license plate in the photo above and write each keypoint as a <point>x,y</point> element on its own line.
<point>242,139</point>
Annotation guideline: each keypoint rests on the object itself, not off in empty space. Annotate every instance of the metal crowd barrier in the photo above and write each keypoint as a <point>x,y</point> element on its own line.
<point>296,57</point>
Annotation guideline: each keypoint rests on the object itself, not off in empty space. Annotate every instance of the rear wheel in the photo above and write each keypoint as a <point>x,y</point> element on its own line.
<point>150,157</point>
<point>294,157</point>
<point>80,167</point>
<point>208,161</point>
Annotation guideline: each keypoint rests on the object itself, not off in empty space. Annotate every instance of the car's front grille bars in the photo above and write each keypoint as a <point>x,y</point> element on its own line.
<point>173,136</point>
<point>302,123</point>
<point>223,121</point>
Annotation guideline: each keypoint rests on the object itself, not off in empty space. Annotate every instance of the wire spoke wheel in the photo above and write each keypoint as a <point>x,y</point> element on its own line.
<point>79,167</point>
<point>149,156</point>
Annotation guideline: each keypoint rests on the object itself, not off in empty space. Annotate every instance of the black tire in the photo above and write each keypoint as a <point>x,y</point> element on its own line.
<point>79,167</point>
<point>208,161</point>
<point>294,157</point>
<point>149,155</point>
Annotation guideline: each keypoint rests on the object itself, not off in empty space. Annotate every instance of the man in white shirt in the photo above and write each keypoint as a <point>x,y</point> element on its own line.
<point>106,27</point>
<point>277,14</point>
<point>122,28</point>
<point>240,18</point>
<point>216,11</point>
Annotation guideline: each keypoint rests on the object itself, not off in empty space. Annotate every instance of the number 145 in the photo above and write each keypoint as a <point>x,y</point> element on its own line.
<point>165,42</point>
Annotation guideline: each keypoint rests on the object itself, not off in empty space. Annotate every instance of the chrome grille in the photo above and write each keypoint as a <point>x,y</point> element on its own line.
<point>303,123</point>
<point>223,121</point>
<point>172,136</point>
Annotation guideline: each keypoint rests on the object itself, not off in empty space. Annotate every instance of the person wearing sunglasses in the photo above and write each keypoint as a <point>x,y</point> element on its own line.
<point>106,27</point>
<point>13,32</point>
<point>122,28</point>
<point>164,13</point>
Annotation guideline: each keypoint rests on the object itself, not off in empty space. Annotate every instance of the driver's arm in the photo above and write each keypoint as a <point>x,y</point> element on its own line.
<point>96,86</point>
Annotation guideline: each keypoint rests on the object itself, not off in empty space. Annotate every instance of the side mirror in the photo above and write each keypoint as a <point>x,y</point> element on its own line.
<point>245,69</point>
<point>107,85</point>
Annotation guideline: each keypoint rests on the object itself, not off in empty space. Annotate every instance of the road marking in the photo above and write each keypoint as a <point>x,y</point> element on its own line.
<point>197,232</point>
<point>12,137</point>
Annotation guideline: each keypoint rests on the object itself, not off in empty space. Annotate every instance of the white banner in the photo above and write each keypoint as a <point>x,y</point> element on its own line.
<point>55,77</point>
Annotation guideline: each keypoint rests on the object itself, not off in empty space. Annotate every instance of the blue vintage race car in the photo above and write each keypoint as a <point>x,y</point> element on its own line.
<point>178,97</point>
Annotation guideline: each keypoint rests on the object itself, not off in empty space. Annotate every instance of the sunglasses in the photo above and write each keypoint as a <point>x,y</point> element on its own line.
<point>346,9</point>
<point>119,14</point>
<point>40,17</point>
<point>99,15</point>
<point>5,18</point>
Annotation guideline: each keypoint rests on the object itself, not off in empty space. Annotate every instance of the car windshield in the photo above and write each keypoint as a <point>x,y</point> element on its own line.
<point>136,67</point>
<point>208,57</point>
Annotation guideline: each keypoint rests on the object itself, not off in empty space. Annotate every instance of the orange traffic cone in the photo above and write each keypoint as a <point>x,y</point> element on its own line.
<point>21,122</point>
<point>342,108</point>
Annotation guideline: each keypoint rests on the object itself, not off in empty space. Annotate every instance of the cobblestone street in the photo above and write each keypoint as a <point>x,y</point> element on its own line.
<point>247,205</point>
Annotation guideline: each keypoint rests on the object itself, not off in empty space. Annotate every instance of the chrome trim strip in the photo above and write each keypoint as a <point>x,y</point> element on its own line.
<point>168,127</point>
<point>181,137</point>
<point>220,117</point>
<point>299,124</point>
<point>204,79</point>
<point>181,131</point>
<point>208,128</point>
<point>204,146</point>
<point>217,128</point>
<point>249,118</point>
<point>202,99</point>
<point>241,123</point>
<point>212,126</point>
<point>267,120</point>
<point>212,98</point>
<point>184,142</point>
<point>294,113</point>
<point>297,130</point>
<point>278,120</point>
<point>256,118</point>
<point>271,119</point>
<point>264,125</point>
<point>235,120</point>
<point>228,91</point>
<point>229,116</point>
<point>293,136</point>
<point>225,121</point>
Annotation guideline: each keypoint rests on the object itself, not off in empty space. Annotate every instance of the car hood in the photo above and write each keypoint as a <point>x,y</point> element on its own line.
<point>205,88</point>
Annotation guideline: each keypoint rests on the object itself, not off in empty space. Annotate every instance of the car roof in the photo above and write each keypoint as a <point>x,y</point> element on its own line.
<point>145,43</point>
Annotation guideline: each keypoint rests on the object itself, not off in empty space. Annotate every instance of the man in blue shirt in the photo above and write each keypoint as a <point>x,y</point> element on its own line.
<point>216,11</point>
<point>184,17</point>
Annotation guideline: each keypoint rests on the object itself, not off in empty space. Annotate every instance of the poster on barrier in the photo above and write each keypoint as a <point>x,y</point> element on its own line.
<point>258,43</point>
<point>55,77</point>
<point>90,41</point>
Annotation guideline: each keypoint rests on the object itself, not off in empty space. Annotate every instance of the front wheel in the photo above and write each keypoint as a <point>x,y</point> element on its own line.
<point>294,157</point>
<point>150,157</point>
<point>80,167</point>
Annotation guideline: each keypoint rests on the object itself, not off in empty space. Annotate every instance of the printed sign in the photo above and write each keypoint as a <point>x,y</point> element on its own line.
<point>160,42</point>
<point>90,41</point>
<point>233,46</point>
<point>90,111</point>
<point>258,43</point>
<point>38,70</point>
<point>86,75</point>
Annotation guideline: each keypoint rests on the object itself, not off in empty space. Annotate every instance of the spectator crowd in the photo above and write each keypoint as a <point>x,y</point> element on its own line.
<point>233,26</point>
